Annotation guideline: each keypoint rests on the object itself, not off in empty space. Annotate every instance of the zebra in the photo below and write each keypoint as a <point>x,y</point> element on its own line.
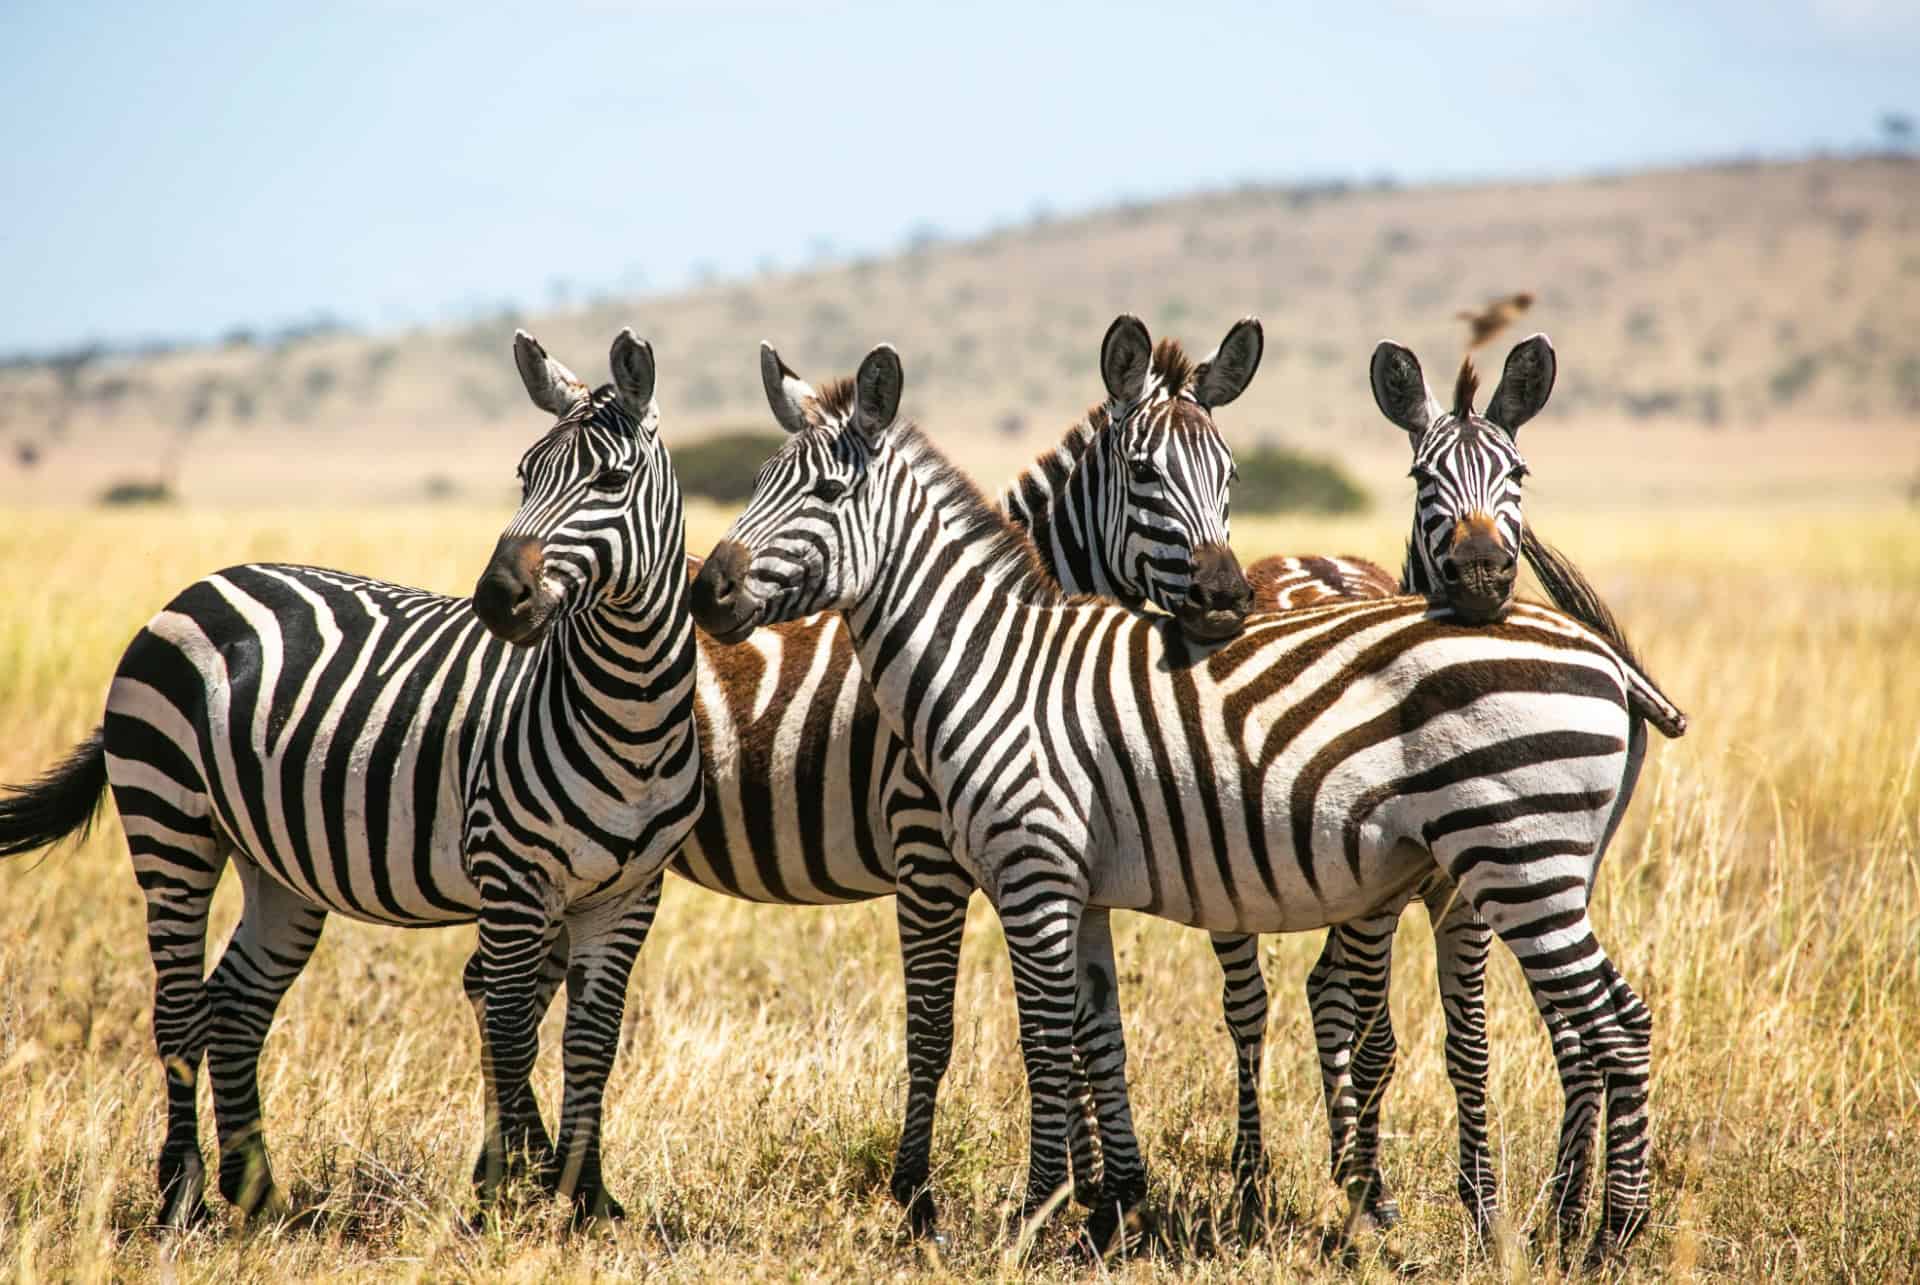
<point>812,800</point>
<point>1467,536</point>
<point>527,759</point>
<point>1087,757</point>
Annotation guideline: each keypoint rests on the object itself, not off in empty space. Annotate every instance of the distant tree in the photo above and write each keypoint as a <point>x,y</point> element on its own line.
<point>1897,129</point>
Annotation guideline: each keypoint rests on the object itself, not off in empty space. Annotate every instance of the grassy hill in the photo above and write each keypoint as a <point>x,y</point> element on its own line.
<point>1702,301</point>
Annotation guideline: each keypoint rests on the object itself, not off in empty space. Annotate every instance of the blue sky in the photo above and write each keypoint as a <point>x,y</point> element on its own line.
<point>176,173</point>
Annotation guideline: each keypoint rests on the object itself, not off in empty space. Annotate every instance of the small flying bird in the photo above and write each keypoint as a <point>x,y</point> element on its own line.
<point>1495,317</point>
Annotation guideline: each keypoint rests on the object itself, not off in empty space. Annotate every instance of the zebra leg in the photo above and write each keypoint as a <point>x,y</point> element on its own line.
<point>1101,1042</point>
<point>1461,939</point>
<point>178,860</point>
<point>1366,951</point>
<point>518,928</point>
<point>1582,1083</point>
<point>606,940</point>
<point>1042,925</point>
<point>931,907</point>
<point>1330,1002</point>
<point>552,973</point>
<point>1600,1028</point>
<point>270,946</point>
<point>1243,1000</point>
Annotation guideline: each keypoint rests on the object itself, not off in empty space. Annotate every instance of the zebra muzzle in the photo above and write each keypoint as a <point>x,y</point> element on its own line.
<point>719,600</point>
<point>511,598</point>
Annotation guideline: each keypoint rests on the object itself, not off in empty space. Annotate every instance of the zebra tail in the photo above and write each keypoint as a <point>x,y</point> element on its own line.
<point>1572,593</point>
<point>62,802</point>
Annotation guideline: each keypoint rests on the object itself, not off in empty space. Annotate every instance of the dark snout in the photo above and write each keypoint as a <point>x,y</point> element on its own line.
<point>721,603</point>
<point>509,597</point>
<point>1218,596</point>
<point>1477,572</point>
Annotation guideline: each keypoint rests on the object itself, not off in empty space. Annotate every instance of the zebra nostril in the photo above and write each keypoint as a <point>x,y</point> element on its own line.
<point>1450,572</point>
<point>522,595</point>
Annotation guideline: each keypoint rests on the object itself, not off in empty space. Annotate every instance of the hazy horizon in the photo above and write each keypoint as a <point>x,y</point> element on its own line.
<point>190,174</point>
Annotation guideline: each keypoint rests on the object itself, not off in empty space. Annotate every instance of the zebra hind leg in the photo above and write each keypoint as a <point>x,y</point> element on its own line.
<point>931,907</point>
<point>553,972</point>
<point>1243,1000</point>
<point>1602,1041</point>
<point>1100,1040</point>
<point>606,940</point>
<point>270,946</point>
<point>1461,941</point>
<point>178,860</point>
<point>518,927</point>
<point>1366,948</point>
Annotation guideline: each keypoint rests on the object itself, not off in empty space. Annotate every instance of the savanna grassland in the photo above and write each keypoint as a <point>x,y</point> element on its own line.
<point>1764,897</point>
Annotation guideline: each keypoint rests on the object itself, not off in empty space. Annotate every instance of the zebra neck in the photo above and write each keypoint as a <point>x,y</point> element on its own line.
<point>952,570</point>
<point>1062,502</point>
<point>625,671</point>
<point>1414,577</point>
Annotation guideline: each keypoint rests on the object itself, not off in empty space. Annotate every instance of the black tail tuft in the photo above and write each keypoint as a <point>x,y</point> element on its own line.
<point>60,803</point>
<point>1572,593</point>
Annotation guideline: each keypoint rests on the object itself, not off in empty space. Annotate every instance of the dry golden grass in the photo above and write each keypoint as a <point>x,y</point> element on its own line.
<point>1764,897</point>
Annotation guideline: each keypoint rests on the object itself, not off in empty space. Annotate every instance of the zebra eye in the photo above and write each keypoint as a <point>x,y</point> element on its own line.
<point>613,479</point>
<point>1420,476</point>
<point>829,489</point>
<point>1520,474</point>
<point>1233,473</point>
<point>1143,470</point>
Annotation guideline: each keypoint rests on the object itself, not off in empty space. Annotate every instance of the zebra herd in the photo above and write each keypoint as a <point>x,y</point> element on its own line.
<point>1074,700</point>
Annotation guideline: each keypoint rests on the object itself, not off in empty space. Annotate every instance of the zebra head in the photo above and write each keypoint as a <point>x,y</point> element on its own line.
<point>1468,470</point>
<point>579,539</point>
<point>807,540</point>
<point>1161,473</point>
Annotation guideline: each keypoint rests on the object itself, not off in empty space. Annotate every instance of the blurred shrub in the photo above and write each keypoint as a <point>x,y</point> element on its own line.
<point>1279,479</point>
<point>721,468</point>
<point>137,491</point>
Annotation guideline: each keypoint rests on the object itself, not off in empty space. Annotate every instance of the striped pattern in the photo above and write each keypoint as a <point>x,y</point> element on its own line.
<point>811,798</point>
<point>1300,775</point>
<point>358,747</point>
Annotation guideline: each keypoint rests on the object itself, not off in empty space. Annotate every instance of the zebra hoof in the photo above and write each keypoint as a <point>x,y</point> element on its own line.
<point>183,1193</point>
<point>596,1208</point>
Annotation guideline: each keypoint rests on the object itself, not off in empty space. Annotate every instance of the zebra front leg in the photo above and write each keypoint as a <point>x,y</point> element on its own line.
<point>931,908</point>
<point>552,973</point>
<point>1100,1042</point>
<point>178,861</point>
<point>1243,1000</point>
<point>518,927</point>
<point>272,943</point>
<point>1366,952</point>
<point>1042,924</point>
<point>606,940</point>
<point>1461,939</point>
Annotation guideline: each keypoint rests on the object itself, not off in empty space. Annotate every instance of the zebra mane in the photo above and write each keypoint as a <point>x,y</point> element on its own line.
<point>980,523</point>
<point>835,399</point>
<point>1465,387</point>
<point>1048,473</point>
<point>1172,365</point>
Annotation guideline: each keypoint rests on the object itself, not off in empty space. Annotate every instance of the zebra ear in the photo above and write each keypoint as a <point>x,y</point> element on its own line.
<point>633,374</point>
<point>1525,384</point>
<point>1225,374</point>
<point>1124,356</point>
<point>876,392</point>
<point>1400,390</point>
<point>787,394</point>
<point>553,387</point>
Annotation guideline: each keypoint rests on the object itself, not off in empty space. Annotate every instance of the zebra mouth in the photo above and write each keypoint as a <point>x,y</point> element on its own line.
<point>1212,625</point>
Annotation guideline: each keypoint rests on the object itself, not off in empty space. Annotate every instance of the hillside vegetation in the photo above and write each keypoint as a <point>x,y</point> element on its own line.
<point>1701,301</point>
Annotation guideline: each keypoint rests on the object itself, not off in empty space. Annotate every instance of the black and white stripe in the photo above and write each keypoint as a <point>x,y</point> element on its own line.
<point>527,759</point>
<point>1086,757</point>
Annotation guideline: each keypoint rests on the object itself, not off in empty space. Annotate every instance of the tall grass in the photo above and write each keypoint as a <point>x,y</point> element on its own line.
<point>1764,897</point>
